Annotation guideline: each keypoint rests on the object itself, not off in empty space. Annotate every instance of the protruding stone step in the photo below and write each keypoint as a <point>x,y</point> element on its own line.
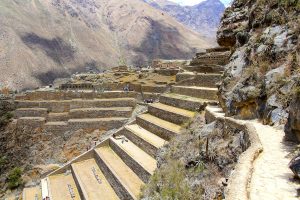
<point>144,139</point>
<point>100,112</point>
<point>212,113</point>
<point>91,182</point>
<point>68,95</point>
<point>149,95</point>
<point>138,160</point>
<point>194,91</point>
<point>201,79</point>
<point>32,193</point>
<point>162,128</point>
<point>31,112</point>
<point>62,186</point>
<point>124,181</point>
<point>57,127</point>
<point>54,117</point>
<point>66,105</point>
<point>183,101</point>
<point>27,104</point>
<point>97,123</point>
<point>205,68</point>
<point>31,121</point>
<point>52,106</point>
<point>170,113</point>
<point>167,71</point>
<point>154,88</point>
<point>102,103</point>
<point>116,94</point>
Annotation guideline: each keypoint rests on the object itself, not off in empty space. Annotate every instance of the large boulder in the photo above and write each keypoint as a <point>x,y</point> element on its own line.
<point>292,127</point>
<point>294,165</point>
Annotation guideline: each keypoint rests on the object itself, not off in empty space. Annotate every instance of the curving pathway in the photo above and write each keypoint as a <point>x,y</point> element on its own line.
<point>271,178</point>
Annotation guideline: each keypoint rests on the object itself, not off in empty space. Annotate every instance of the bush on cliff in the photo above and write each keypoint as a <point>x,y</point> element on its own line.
<point>196,163</point>
<point>14,178</point>
<point>5,119</point>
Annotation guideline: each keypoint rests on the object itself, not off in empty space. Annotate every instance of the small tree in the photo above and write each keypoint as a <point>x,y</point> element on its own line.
<point>14,178</point>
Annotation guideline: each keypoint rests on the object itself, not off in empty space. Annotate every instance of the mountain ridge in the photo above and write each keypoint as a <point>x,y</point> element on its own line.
<point>203,17</point>
<point>43,40</point>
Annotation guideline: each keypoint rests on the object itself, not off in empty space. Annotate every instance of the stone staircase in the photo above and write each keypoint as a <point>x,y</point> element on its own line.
<point>118,167</point>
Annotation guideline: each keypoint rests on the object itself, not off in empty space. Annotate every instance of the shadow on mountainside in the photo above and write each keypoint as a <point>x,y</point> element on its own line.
<point>56,49</point>
<point>162,42</point>
<point>48,77</point>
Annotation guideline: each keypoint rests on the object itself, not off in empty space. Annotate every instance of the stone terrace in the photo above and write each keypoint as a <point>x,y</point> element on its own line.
<point>119,166</point>
<point>57,111</point>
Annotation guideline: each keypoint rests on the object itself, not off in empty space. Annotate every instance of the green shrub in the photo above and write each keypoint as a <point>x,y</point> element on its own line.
<point>14,178</point>
<point>170,182</point>
<point>5,118</point>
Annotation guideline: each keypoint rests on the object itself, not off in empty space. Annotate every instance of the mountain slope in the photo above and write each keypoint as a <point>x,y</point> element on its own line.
<point>203,17</point>
<point>42,40</point>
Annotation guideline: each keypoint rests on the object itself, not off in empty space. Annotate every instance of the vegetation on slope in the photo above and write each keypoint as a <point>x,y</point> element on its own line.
<point>14,178</point>
<point>260,80</point>
<point>197,163</point>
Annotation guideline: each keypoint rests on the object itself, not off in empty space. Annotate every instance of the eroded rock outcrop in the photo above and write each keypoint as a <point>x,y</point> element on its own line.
<point>263,73</point>
<point>292,127</point>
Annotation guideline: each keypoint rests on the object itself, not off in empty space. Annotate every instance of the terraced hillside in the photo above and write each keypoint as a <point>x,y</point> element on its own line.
<point>119,166</point>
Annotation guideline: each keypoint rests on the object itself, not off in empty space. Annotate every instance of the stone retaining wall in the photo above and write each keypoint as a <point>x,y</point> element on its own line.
<point>194,92</point>
<point>31,122</point>
<point>87,155</point>
<point>94,124</point>
<point>55,117</point>
<point>154,88</point>
<point>167,72</point>
<point>99,113</point>
<point>153,96</point>
<point>57,129</point>
<point>68,95</point>
<point>217,58</point>
<point>30,113</point>
<point>65,106</point>
<point>239,180</point>
<point>205,68</point>
<point>203,80</point>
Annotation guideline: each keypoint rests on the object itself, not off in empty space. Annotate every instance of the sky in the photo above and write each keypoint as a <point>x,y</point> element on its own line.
<point>194,2</point>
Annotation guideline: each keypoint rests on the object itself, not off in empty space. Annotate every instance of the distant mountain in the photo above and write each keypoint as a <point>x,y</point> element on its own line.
<point>41,40</point>
<point>203,17</point>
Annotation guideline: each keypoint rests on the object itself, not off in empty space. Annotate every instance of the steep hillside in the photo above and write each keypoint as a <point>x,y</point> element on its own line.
<point>203,17</point>
<point>262,78</point>
<point>42,40</point>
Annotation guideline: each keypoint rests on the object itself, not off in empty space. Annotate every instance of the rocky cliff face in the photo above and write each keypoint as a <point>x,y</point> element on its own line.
<point>263,75</point>
<point>203,17</point>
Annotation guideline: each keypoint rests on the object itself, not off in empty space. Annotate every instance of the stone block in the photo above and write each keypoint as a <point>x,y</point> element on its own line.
<point>198,92</point>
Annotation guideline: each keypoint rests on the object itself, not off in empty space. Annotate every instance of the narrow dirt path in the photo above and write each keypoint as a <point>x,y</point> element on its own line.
<point>271,178</point>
